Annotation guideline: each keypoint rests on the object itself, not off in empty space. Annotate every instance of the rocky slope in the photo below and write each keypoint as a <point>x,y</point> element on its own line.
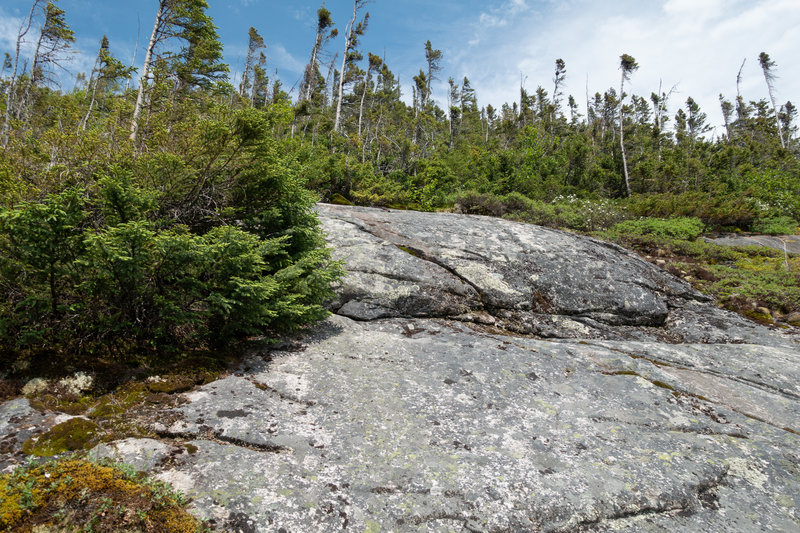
<point>484,375</point>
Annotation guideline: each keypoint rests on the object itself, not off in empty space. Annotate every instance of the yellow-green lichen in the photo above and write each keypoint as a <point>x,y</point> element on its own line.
<point>75,495</point>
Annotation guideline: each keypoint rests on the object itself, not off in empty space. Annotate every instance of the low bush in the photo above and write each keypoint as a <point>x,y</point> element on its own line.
<point>82,273</point>
<point>715,210</point>
<point>776,226</point>
<point>685,228</point>
<point>566,212</point>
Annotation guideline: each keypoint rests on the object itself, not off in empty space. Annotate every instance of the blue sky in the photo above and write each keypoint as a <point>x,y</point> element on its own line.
<point>695,45</point>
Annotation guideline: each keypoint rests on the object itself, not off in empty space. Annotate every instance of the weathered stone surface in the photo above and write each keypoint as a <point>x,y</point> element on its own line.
<point>633,404</point>
<point>406,425</point>
<point>509,266</point>
<point>529,279</point>
<point>142,454</point>
<point>788,243</point>
<point>18,423</point>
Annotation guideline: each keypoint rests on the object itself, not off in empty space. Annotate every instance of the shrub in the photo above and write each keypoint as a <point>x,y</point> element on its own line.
<point>715,210</point>
<point>567,212</point>
<point>685,228</point>
<point>776,226</point>
<point>118,285</point>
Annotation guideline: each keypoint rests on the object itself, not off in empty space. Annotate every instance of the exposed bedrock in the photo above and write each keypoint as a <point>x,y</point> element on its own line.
<point>484,375</point>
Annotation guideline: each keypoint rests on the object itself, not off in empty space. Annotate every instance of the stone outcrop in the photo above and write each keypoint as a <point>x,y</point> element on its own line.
<point>484,375</point>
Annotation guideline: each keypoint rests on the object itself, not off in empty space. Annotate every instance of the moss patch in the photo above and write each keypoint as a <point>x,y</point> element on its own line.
<point>75,495</point>
<point>74,434</point>
<point>410,251</point>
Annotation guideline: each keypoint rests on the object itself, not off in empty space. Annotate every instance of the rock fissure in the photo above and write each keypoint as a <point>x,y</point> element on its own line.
<point>282,395</point>
<point>219,438</point>
<point>701,497</point>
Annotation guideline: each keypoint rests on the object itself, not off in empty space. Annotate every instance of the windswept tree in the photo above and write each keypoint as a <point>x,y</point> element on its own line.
<point>373,64</point>
<point>325,32</point>
<point>768,67</point>
<point>695,121</point>
<point>788,116</point>
<point>627,66</point>
<point>24,28</point>
<point>434,59</point>
<point>558,81</point>
<point>107,72</point>
<point>54,41</point>
<point>352,34</point>
<point>727,114</point>
<point>255,45</point>
<point>454,111</point>
<point>197,63</point>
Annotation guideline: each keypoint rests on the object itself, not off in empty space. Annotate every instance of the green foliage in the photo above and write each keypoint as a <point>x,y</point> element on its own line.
<point>202,230</point>
<point>776,226</point>
<point>685,228</point>
<point>778,191</point>
<point>129,281</point>
<point>716,210</point>
<point>567,212</point>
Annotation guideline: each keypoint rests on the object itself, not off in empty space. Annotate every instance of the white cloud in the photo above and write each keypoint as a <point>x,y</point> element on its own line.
<point>696,44</point>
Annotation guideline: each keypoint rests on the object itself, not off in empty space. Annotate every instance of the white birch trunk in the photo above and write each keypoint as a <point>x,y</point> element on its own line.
<point>347,43</point>
<point>622,135</point>
<point>137,110</point>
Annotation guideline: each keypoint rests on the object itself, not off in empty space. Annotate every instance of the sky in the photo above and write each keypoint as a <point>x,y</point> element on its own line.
<point>694,46</point>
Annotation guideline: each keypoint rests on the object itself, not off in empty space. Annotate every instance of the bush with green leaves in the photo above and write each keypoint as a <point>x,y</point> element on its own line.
<point>122,266</point>
<point>685,228</point>
<point>714,209</point>
<point>567,212</point>
<point>776,226</point>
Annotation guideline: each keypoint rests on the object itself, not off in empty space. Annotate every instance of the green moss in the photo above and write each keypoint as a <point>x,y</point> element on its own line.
<point>74,434</point>
<point>410,251</point>
<point>190,448</point>
<point>72,494</point>
<point>662,385</point>
<point>762,318</point>
<point>118,402</point>
<point>70,406</point>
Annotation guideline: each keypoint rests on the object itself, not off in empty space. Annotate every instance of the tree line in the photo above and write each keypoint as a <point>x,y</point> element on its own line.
<point>135,159</point>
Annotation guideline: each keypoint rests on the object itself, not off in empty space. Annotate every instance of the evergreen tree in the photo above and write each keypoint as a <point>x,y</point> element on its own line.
<point>349,57</point>
<point>325,32</point>
<point>255,45</point>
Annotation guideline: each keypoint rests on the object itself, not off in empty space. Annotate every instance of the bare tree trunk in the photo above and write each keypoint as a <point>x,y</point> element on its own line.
<point>622,135</point>
<point>347,43</point>
<point>93,87</point>
<point>312,66</point>
<point>137,110</point>
<point>24,28</point>
<point>768,77</point>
